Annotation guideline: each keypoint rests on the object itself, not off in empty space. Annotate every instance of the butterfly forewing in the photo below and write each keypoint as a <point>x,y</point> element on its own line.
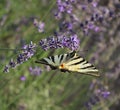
<point>53,60</point>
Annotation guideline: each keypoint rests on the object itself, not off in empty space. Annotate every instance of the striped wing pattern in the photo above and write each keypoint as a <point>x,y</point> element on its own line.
<point>56,60</point>
<point>80,65</point>
<point>70,62</point>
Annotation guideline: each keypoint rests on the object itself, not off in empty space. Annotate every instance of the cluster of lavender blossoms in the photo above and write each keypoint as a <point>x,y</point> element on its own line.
<point>60,41</point>
<point>100,92</point>
<point>27,52</point>
<point>91,16</point>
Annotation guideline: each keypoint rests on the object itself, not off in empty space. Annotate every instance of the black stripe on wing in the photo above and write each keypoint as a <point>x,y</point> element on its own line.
<point>89,67</point>
<point>53,59</point>
<point>92,73</point>
<point>79,62</point>
<point>76,58</point>
<point>83,62</point>
<point>70,55</point>
<point>61,58</point>
<point>42,61</point>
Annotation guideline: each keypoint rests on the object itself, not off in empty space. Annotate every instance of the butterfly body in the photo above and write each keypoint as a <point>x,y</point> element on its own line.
<point>70,62</point>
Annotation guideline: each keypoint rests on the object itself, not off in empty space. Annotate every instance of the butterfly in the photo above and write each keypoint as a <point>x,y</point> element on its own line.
<point>70,62</point>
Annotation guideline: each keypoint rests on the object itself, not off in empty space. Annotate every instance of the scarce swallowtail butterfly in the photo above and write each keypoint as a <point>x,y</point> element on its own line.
<point>70,62</point>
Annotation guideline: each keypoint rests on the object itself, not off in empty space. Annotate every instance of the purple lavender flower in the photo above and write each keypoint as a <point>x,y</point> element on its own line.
<point>12,63</point>
<point>40,25</point>
<point>64,6</point>
<point>83,7</point>
<point>61,8</point>
<point>74,42</point>
<point>22,78</point>
<point>65,41</point>
<point>51,42</point>
<point>90,26</point>
<point>6,69</point>
<point>94,4</point>
<point>97,29</point>
<point>20,59</point>
<point>35,71</point>
<point>43,44</point>
<point>68,25</point>
<point>105,94</point>
<point>58,42</point>
<point>58,15</point>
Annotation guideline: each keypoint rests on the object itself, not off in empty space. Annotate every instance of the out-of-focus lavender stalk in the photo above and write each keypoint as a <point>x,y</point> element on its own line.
<point>27,52</point>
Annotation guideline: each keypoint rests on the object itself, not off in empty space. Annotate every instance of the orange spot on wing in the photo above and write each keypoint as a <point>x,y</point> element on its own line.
<point>62,65</point>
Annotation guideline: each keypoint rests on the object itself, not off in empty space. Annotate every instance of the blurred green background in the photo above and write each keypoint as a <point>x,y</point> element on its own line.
<point>53,90</point>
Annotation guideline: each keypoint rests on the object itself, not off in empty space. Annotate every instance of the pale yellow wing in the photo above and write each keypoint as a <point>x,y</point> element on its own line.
<point>79,65</point>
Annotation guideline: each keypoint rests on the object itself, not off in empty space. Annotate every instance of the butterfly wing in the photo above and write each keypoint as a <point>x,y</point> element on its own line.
<point>80,65</point>
<point>53,61</point>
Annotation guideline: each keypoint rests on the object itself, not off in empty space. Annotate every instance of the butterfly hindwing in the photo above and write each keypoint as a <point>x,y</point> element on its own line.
<point>80,65</point>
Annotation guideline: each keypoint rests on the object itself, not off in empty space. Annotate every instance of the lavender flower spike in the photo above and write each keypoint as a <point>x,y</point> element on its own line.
<point>27,52</point>
<point>60,41</point>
